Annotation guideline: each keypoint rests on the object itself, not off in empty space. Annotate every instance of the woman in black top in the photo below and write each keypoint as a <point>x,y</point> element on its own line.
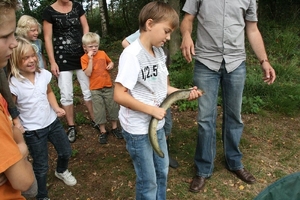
<point>64,23</point>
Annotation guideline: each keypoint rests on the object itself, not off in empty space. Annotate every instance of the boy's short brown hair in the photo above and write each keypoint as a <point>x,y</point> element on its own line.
<point>7,5</point>
<point>158,12</point>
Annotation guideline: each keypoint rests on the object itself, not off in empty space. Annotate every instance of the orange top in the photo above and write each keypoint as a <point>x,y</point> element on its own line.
<point>10,153</point>
<point>100,76</point>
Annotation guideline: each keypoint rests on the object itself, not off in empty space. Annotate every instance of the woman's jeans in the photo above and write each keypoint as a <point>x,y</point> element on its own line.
<point>37,142</point>
<point>151,170</point>
<point>232,85</point>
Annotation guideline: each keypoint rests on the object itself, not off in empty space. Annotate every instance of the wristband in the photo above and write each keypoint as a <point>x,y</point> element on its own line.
<point>263,60</point>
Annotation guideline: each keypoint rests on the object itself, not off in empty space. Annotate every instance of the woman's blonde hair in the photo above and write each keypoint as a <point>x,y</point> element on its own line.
<point>16,58</point>
<point>25,23</point>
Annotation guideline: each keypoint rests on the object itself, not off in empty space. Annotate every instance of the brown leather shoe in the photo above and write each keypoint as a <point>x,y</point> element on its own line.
<point>245,176</point>
<point>197,184</point>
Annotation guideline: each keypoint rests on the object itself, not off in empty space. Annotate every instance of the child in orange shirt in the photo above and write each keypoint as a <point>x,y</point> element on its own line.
<point>16,172</point>
<point>96,65</point>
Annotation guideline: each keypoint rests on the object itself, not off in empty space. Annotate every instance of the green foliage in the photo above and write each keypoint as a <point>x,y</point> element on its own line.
<point>55,89</point>
<point>181,76</point>
<point>74,152</point>
<point>282,43</point>
<point>187,105</point>
<point>80,118</point>
<point>252,104</point>
<point>180,72</point>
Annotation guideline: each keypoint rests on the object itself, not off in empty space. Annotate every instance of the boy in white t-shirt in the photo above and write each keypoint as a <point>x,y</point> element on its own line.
<point>141,86</point>
<point>168,119</point>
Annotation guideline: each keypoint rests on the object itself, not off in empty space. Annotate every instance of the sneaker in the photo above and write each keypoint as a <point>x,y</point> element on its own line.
<point>71,134</point>
<point>103,138</point>
<point>66,177</point>
<point>117,133</point>
<point>95,126</point>
<point>173,163</point>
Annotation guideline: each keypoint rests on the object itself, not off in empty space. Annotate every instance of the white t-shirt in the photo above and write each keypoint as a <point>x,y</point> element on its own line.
<point>32,102</point>
<point>145,77</point>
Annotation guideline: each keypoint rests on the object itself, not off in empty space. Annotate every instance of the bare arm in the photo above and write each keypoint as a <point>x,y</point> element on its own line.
<point>52,100</point>
<point>125,43</point>
<point>48,31</point>
<point>89,69</point>
<point>122,97</point>
<point>16,121</point>
<point>110,66</point>
<point>257,44</point>
<point>20,175</point>
<point>84,24</point>
<point>187,45</point>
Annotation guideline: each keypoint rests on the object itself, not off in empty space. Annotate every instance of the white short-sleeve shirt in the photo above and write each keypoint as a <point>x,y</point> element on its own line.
<point>32,102</point>
<point>145,76</point>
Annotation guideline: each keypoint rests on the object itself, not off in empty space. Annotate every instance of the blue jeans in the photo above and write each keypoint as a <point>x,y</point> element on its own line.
<point>151,170</point>
<point>168,122</point>
<point>37,142</point>
<point>232,85</point>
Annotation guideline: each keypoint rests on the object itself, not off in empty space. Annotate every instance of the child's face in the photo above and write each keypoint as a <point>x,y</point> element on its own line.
<point>91,49</point>
<point>7,37</point>
<point>160,33</point>
<point>33,33</point>
<point>29,62</point>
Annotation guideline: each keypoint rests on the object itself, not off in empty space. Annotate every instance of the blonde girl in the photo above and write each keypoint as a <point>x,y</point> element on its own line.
<point>39,112</point>
<point>28,27</point>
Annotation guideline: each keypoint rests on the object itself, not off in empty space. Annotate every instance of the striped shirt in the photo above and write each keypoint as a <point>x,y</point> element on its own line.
<point>221,31</point>
<point>145,77</point>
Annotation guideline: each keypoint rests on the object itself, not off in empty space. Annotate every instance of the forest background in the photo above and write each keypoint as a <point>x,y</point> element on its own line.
<point>271,137</point>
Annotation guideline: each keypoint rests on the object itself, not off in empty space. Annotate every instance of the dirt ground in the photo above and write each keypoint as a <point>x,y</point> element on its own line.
<point>105,172</point>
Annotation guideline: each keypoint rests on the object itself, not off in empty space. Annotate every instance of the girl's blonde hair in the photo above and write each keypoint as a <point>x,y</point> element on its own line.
<point>25,23</point>
<point>16,58</point>
<point>90,38</point>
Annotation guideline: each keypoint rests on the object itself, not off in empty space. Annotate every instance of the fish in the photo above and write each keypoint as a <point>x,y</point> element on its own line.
<point>182,94</point>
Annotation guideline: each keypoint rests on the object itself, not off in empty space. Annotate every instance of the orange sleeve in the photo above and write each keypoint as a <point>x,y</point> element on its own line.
<point>10,153</point>
<point>84,61</point>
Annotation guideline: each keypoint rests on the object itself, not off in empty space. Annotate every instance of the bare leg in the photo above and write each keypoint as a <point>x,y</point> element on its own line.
<point>102,128</point>
<point>69,114</point>
<point>117,132</point>
<point>70,120</point>
<point>114,124</point>
<point>89,106</point>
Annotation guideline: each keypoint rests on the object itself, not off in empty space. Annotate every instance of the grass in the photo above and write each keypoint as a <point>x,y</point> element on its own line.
<point>270,145</point>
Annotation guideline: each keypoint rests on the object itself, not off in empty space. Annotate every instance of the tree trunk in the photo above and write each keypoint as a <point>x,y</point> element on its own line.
<point>174,45</point>
<point>102,18</point>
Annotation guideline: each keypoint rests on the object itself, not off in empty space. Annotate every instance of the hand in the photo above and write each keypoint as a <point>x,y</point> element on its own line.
<point>195,93</point>
<point>109,67</point>
<point>158,113</point>
<point>18,135</point>
<point>60,112</point>
<point>187,48</point>
<point>17,124</point>
<point>55,69</point>
<point>3,179</point>
<point>269,73</point>
<point>90,54</point>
